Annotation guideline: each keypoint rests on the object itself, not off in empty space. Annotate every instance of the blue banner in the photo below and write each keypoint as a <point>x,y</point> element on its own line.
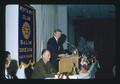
<point>26,25</point>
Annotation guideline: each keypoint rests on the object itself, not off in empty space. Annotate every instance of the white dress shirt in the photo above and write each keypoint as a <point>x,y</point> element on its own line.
<point>7,76</point>
<point>21,73</point>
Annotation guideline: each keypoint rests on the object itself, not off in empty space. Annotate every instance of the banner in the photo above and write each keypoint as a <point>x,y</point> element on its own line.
<point>26,34</point>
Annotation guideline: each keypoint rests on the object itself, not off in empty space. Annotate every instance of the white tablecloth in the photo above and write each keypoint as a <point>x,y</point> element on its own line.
<point>89,75</point>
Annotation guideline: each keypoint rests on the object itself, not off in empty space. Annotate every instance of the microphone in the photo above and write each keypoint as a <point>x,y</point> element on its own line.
<point>73,46</point>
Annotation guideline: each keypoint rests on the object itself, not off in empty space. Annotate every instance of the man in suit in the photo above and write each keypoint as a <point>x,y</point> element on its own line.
<point>54,47</point>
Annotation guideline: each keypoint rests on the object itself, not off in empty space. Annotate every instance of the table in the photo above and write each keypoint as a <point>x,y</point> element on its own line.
<point>89,75</point>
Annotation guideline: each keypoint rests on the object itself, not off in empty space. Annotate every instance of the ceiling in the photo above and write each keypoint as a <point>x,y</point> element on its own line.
<point>96,11</point>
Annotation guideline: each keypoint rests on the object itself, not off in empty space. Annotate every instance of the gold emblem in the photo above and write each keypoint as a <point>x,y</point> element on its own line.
<point>26,30</point>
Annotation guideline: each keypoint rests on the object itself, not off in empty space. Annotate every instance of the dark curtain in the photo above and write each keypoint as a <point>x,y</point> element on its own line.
<point>102,31</point>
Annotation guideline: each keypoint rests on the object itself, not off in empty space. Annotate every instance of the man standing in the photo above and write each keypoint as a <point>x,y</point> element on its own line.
<point>54,47</point>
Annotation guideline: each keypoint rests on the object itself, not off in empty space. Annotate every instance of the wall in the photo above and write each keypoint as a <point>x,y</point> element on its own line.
<point>62,20</point>
<point>45,24</point>
<point>48,18</point>
<point>11,21</point>
<point>102,32</point>
<point>71,35</point>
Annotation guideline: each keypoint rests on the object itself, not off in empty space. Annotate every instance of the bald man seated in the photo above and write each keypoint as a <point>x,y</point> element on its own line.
<point>43,68</point>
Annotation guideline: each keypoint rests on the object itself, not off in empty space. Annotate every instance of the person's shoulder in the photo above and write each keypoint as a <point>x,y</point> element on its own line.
<point>51,39</point>
<point>39,62</point>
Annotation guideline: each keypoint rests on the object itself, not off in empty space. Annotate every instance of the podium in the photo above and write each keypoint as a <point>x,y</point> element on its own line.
<point>67,62</point>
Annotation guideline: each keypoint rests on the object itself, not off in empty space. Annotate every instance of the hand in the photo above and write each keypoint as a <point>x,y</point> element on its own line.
<point>61,55</point>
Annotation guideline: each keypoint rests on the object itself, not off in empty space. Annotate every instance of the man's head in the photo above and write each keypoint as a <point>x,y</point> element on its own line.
<point>46,55</point>
<point>57,33</point>
<point>7,59</point>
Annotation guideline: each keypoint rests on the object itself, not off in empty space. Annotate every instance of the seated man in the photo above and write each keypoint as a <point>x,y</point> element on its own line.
<point>43,68</point>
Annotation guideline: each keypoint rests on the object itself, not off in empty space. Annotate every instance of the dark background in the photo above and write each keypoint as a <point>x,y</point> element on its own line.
<point>102,32</point>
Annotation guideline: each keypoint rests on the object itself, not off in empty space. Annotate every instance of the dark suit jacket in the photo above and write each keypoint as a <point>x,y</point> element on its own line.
<point>53,46</point>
